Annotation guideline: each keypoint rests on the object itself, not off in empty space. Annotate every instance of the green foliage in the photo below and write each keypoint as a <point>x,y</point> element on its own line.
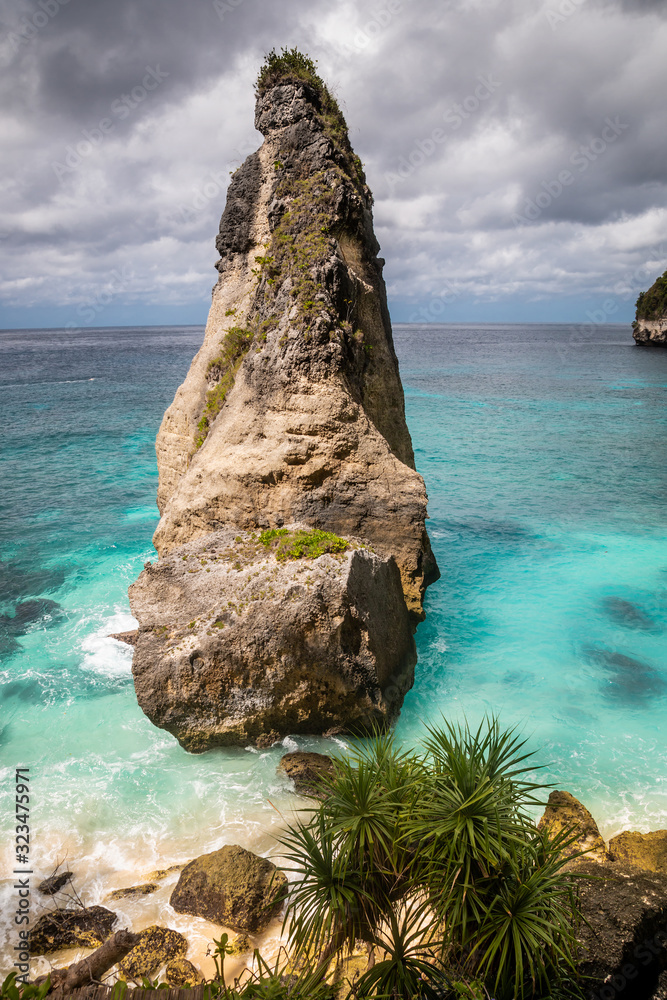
<point>432,859</point>
<point>11,990</point>
<point>292,66</point>
<point>301,544</point>
<point>653,303</point>
<point>235,345</point>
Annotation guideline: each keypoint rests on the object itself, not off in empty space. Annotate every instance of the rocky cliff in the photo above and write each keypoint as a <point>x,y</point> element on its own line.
<point>650,325</point>
<point>291,416</point>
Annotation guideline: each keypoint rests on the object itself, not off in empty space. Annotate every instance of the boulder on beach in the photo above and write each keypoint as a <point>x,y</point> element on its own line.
<point>54,883</point>
<point>157,946</point>
<point>180,972</point>
<point>564,812</point>
<point>647,851</point>
<point>86,927</point>
<point>231,887</point>
<point>306,770</point>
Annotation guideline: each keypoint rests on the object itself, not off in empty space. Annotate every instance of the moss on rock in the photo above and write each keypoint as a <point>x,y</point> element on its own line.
<point>180,972</point>
<point>232,887</point>
<point>88,927</point>
<point>647,851</point>
<point>157,946</point>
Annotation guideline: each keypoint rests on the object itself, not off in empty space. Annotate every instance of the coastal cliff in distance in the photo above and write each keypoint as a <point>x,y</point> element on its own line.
<point>650,325</point>
<point>286,467</point>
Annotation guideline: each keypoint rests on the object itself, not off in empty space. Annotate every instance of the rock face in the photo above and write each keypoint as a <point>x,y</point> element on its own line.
<point>306,770</point>
<point>293,408</point>
<point>623,941</point>
<point>650,326</point>
<point>564,812</point>
<point>238,644</point>
<point>88,927</point>
<point>232,887</point>
<point>647,851</point>
<point>292,413</point>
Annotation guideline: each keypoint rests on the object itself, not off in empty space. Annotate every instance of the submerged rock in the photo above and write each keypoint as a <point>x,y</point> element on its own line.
<point>87,927</point>
<point>238,643</point>
<point>232,887</point>
<point>627,614</point>
<point>157,946</point>
<point>647,851</point>
<point>650,325</point>
<point>564,812</point>
<point>306,770</point>
<point>133,890</point>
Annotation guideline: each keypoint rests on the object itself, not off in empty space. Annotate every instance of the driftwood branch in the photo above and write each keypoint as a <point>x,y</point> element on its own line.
<point>92,968</point>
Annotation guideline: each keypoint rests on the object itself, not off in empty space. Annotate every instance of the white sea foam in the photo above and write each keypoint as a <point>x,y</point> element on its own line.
<point>104,655</point>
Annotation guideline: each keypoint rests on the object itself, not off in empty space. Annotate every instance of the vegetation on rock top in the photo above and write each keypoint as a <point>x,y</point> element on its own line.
<point>652,304</point>
<point>302,544</point>
<point>292,66</point>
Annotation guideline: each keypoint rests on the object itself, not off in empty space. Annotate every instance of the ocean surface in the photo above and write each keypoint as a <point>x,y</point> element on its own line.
<point>545,459</point>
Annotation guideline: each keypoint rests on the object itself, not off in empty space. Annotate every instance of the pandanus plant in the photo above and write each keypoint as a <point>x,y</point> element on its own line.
<point>432,860</point>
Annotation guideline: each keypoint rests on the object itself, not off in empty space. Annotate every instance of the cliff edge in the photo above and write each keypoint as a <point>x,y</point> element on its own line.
<point>291,416</point>
<point>650,325</point>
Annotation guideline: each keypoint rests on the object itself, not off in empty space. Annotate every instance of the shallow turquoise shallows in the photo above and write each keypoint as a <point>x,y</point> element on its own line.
<point>544,455</point>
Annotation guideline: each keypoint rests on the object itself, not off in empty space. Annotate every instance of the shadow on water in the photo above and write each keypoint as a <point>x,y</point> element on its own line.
<point>496,530</point>
<point>630,680</point>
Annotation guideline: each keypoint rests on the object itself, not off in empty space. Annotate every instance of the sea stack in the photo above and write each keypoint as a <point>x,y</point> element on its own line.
<point>293,555</point>
<point>650,326</point>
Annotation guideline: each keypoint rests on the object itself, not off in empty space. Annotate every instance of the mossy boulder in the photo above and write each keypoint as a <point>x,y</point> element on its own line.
<point>157,946</point>
<point>87,927</point>
<point>647,851</point>
<point>180,972</point>
<point>564,812</point>
<point>306,770</point>
<point>231,887</point>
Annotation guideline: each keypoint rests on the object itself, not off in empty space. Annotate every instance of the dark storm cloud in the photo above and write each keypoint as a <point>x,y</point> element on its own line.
<point>515,148</point>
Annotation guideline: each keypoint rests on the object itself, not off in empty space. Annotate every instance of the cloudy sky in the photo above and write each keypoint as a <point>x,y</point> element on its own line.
<point>515,148</point>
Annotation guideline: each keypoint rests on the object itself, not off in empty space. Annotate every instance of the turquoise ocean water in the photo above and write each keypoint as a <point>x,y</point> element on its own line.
<point>545,460</point>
